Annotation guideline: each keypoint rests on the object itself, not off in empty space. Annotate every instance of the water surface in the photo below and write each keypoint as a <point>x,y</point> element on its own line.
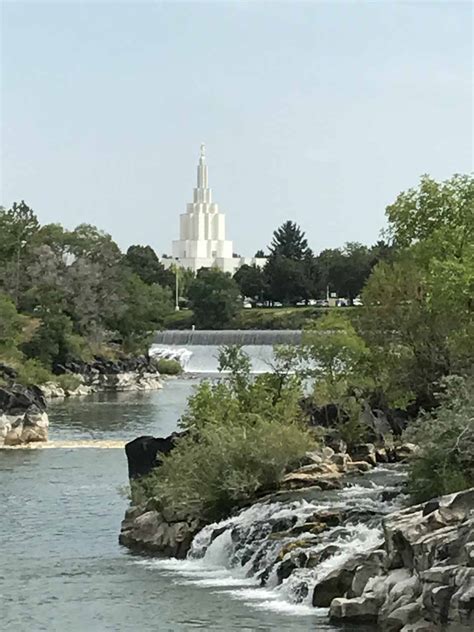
<point>61,568</point>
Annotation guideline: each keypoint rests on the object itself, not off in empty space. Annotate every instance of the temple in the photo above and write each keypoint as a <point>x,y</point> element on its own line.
<point>202,240</point>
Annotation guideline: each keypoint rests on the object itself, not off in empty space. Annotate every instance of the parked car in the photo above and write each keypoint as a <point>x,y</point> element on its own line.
<point>357,301</point>
<point>321,302</point>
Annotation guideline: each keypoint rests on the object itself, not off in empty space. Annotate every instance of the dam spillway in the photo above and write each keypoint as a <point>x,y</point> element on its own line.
<point>263,337</point>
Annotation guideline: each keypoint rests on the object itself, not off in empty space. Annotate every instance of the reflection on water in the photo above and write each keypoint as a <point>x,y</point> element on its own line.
<point>121,416</point>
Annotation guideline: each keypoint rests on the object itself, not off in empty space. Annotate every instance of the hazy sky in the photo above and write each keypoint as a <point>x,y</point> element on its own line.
<point>319,112</point>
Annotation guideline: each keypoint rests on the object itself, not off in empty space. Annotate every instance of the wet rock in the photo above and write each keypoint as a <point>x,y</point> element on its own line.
<point>299,479</point>
<point>359,467</point>
<point>402,616</point>
<point>406,451</point>
<point>372,566</point>
<point>425,580</point>
<point>149,532</point>
<point>23,417</point>
<point>364,452</point>
<point>357,610</point>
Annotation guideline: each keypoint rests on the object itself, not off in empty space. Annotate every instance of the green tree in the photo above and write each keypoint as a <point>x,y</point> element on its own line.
<point>144,262</point>
<point>285,280</point>
<point>289,241</point>
<point>251,282</point>
<point>244,433</point>
<point>142,311</point>
<point>17,227</point>
<point>418,304</point>
<point>214,298</point>
<point>439,214</point>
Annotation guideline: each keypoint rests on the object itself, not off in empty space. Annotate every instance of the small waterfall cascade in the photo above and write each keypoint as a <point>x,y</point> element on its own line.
<point>228,337</point>
<point>203,359</point>
<point>270,556</point>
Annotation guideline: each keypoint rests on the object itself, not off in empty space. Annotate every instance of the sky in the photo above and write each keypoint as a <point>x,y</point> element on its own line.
<point>318,112</point>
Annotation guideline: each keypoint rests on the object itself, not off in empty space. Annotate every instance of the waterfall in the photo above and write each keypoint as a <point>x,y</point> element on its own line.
<point>267,556</point>
<point>203,358</point>
<point>228,337</point>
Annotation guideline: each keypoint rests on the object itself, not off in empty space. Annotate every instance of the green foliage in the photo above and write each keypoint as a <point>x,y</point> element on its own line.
<point>141,313</point>
<point>13,326</point>
<point>31,372</point>
<point>445,460</point>
<point>67,381</point>
<point>251,282</point>
<point>243,434</point>
<point>168,367</point>
<point>289,242</point>
<point>65,294</point>
<point>214,298</point>
<point>145,264</point>
<point>438,214</point>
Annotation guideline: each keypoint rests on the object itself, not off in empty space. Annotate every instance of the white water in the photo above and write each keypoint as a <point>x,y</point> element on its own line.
<point>204,358</point>
<point>242,562</point>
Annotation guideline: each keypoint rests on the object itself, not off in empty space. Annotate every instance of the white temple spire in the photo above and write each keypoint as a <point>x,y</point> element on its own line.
<point>202,180</point>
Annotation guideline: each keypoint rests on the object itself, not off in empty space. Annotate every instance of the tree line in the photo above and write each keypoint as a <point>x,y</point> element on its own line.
<point>293,274</point>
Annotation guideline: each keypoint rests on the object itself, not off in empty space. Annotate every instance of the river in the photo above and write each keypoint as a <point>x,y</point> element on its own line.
<point>61,566</point>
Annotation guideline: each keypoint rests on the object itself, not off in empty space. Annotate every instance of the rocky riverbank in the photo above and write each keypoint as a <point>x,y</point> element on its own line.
<point>146,528</point>
<point>23,416</point>
<point>128,374</point>
<point>335,536</point>
<point>421,578</point>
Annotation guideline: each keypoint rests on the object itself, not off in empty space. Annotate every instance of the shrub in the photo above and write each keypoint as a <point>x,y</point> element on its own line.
<point>243,434</point>
<point>31,372</point>
<point>67,381</point>
<point>168,367</point>
<point>445,461</point>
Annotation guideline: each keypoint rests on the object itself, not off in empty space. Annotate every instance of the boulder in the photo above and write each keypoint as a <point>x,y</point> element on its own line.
<point>424,579</point>
<point>364,452</point>
<point>149,532</point>
<point>357,610</point>
<point>143,453</point>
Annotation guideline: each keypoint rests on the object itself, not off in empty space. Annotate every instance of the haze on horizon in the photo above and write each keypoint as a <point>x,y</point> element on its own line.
<point>316,112</point>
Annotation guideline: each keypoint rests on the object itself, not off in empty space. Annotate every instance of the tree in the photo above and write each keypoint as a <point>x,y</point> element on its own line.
<point>17,226</point>
<point>214,298</point>
<point>289,241</point>
<point>143,311</point>
<point>260,254</point>
<point>144,262</point>
<point>344,271</point>
<point>441,213</point>
<point>285,280</point>
<point>418,304</point>
<point>251,282</point>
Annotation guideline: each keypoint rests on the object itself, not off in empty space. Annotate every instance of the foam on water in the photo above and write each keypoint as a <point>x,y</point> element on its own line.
<point>102,444</point>
<point>239,557</point>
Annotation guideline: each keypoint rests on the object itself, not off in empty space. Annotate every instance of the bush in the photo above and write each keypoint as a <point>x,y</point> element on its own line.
<point>168,367</point>
<point>67,381</point>
<point>32,372</point>
<point>243,434</point>
<point>445,461</point>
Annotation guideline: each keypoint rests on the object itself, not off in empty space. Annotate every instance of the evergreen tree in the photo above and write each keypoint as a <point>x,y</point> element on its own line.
<point>289,241</point>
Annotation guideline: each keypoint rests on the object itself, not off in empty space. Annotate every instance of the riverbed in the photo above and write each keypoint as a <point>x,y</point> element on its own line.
<point>62,568</point>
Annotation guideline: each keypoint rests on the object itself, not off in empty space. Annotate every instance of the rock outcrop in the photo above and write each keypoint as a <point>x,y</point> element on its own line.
<point>128,374</point>
<point>23,417</point>
<point>423,577</point>
<point>143,453</point>
<point>146,529</point>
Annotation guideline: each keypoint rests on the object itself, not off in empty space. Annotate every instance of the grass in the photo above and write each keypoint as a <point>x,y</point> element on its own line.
<point>258,318</point>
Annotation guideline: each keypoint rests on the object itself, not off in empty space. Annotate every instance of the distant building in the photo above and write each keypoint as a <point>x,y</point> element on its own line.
<point>202,239</point>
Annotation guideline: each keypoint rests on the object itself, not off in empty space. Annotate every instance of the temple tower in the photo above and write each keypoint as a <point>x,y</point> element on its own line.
<point>202,241</point>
